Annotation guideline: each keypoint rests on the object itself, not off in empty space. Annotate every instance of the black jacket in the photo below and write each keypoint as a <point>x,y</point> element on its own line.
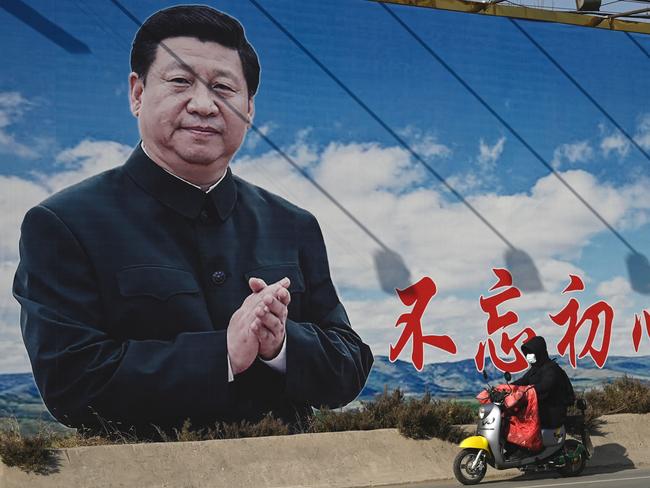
<point>550,384</point>
<point>127,282</point>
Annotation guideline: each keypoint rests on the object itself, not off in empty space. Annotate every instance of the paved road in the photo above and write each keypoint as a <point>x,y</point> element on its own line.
<point>603,478</point>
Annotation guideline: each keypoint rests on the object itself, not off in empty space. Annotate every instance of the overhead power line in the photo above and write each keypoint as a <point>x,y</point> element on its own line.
<point>637,44</point>
<point>381,122</point>
<point>579,87</point>
<point>511,129</point>
<point>390,265</point>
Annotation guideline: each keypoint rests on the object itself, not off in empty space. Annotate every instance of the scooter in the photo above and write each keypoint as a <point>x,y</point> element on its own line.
<point>488,446</point>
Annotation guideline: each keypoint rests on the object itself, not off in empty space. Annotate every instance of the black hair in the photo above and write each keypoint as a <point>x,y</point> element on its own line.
<point>200,21</point>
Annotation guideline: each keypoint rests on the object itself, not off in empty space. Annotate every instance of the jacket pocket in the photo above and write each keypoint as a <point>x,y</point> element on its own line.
<point>161,282</point>
<point>275,272</point>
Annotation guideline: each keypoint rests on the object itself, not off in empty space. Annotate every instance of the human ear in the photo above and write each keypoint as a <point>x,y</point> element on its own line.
<point>136,87</point>
<point>251,111</point>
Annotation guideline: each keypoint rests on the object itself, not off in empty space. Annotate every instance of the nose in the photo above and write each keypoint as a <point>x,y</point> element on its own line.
<point>202,101</point>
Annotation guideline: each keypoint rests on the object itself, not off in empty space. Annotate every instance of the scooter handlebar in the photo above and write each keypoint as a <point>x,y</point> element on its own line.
<point>497,395</point>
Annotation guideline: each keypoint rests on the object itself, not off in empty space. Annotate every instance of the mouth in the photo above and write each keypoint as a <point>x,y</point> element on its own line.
<point>201,130</point>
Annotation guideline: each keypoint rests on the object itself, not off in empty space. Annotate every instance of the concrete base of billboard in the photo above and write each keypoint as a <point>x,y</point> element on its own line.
<point>337,460</point>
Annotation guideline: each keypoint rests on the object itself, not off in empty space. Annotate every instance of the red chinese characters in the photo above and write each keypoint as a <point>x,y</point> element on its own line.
<point>503,345</point>
<point>419,296</point>
<point>569,316</point>
<point>637,331</point>
<point>497,322</point>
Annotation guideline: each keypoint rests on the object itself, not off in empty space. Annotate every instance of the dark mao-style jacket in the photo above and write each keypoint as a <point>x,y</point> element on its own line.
<point>127,282</point>
<point>551,384</point>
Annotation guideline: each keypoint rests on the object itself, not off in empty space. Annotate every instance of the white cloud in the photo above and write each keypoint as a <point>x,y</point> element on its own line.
<point>425,144</point>
<point>615,142</point>
<point>302,151</point>
<point>467,183</point>
<point>253,138</point>
<point>639,204</point>
<point>17,195</point>
<point>642,136</point>
<point>13,356</point>
<point>12,107</point>
<point>464,321</point>
<point>440,238</point>
<point>575,152</point>
<point>617,293</point>
<point>436,235</point>
<point>489,155</point>
<point>354,169</point>
<point>473,181</point>
<point>85,159</point>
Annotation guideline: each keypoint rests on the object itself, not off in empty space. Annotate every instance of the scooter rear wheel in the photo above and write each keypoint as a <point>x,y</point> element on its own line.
<point>576,465</point>
<point>463,467</point>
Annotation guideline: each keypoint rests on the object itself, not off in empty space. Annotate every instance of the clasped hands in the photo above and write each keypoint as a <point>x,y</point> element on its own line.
<point>257,328</point>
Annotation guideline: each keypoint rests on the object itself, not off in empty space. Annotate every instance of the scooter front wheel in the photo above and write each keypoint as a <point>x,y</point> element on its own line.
<point>463,466</point>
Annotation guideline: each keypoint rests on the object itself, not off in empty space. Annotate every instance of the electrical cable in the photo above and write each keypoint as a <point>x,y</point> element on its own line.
<point>332,231</point>
<point>107,28</point>
<point>508,126</point>
<point>638,44</point>
<point>266,139</point>
<point>579,87</point>
<point>381,122</point>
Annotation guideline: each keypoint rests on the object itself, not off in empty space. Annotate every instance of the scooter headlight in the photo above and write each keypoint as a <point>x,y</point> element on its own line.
<point>484,410</point>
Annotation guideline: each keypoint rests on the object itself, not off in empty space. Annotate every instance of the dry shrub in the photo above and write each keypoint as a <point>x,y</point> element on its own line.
<point>457,413</point>
<point>32,453</point>
<point>623,395</point>
<point>417,418</point>
<point>267,426</point>
<point>380,413</point>
<point>185,434</point>
<point>424,418</point>
<point>327,420</point>
<point>384,410</point>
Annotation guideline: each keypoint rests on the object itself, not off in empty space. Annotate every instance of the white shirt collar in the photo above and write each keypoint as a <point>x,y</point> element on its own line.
<point>183,179</point>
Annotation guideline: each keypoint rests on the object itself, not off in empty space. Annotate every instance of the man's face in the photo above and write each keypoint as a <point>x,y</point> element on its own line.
<point>186,124</point>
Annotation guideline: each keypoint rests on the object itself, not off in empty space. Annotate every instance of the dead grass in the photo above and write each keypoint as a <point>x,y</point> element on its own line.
<point>32,454</point>
<point>623,395</point>
<point>415,417</point>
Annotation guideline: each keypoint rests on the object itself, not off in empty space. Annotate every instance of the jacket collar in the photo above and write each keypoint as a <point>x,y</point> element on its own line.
<point>177,194</point>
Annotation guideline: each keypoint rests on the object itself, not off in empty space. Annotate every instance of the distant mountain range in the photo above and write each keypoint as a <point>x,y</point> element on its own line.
<point>20,398</point>
<point>460,378</point>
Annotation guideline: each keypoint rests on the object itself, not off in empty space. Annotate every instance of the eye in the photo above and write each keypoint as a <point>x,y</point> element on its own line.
<point>179,80</point>
<point>222,87</point>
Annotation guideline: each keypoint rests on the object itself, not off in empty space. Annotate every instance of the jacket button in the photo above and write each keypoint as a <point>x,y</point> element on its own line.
<point>218,277</point>
<point>204,216</point>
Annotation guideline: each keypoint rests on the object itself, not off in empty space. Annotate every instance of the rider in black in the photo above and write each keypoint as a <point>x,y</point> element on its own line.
<point>552,385</point>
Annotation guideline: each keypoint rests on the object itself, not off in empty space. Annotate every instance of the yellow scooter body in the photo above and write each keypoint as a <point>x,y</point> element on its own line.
<point>476,442</point>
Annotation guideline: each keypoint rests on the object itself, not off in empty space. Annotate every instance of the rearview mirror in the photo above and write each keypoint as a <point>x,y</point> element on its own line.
<point>507,376</point>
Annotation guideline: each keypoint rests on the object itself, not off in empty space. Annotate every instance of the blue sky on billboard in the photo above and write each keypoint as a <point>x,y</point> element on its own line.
<point>65,116</point>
